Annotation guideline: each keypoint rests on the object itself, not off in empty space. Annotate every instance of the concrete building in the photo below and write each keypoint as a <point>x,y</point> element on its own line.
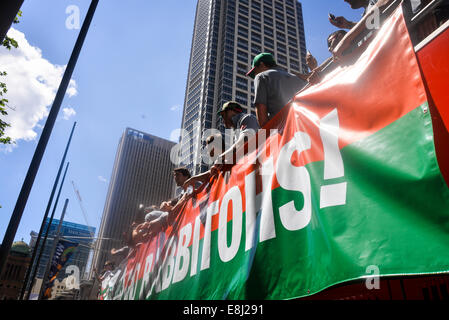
<point>11,280</point>
<point>142,174</point>
<point>227,35</point>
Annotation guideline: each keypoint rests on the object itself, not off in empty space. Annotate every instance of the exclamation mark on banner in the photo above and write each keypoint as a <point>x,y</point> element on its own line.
<point>332,194</point>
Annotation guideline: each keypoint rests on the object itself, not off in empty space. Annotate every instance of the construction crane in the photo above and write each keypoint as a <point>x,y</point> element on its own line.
<point>80,201</point>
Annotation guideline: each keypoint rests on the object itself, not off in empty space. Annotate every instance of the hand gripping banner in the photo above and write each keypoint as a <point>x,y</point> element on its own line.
<point>345,182</point>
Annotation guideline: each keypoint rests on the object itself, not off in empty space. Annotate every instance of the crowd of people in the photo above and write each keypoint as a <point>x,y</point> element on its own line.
<point>274,88</point>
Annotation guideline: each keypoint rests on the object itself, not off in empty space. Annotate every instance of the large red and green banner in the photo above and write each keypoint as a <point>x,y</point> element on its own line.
<point>346,182</point>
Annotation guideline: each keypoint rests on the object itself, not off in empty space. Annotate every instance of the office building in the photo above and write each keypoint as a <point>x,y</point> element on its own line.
<point>142,174</point>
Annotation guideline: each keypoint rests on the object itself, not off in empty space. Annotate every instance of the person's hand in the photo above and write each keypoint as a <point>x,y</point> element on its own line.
<point>341,22</point>
<point>311,61</point>
<point>314,77</point>
<point>113,251</point>
<point>215,170</point>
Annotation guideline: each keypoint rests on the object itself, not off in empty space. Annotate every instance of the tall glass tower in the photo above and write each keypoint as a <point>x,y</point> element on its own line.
<point>227,35</point>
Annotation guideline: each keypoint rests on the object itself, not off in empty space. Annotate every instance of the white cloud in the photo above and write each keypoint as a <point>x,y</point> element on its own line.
<point>175,107</point>
<point>68,113</point>
<point>102,179</point>
<point>32,83</point>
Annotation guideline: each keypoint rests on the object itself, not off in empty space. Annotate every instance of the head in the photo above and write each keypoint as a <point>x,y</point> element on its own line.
<point>334,38</point>
<point>262,62</point>
<point>109,265</point>
<point>140,214</point>
<point>228,111</point>
<point>181,175</point>
<point>357,4</point>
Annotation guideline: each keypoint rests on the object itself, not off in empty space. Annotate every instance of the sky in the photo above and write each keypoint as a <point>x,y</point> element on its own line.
<point>131,72</point>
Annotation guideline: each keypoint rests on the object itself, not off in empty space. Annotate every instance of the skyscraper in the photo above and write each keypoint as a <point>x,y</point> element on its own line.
<point>227,35</point>
<point>142,174</point>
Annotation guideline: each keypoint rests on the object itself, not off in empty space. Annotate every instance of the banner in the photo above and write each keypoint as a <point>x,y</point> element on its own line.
<point>345,184</point>
<point>63,251</point>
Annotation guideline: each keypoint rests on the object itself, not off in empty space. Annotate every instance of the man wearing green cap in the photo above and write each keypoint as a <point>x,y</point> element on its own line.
<point>274,87</point>
<point>246,126</point>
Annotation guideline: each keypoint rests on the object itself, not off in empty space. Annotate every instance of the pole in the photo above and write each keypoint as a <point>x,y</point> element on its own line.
<point>38,154</point>
<point>8,11</point>
<point>41,230</point>
<point>42,247</point>
<point>55,242</point>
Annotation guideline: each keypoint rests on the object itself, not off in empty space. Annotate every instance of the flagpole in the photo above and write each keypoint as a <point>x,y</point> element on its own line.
<point>52,253</point>
<point>41,230</point>
<point>42,144</point>
<point>42,247</point>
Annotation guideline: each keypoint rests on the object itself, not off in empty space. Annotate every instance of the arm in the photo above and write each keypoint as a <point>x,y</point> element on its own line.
<point>261,114</point>
<point>342,23</point>
<point>203,177</point>
<point>347,40</point>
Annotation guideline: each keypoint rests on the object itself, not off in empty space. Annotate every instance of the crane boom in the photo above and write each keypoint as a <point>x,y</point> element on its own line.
<point>80,201</point>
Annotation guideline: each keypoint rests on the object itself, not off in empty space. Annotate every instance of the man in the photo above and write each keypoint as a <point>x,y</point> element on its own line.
<point>233,118</point>
<point>109,266</point>
<point>273,86</point>
<point>347,43</point>
<point>341,22</point>
<point>332,41</point>
<point>158,220</point>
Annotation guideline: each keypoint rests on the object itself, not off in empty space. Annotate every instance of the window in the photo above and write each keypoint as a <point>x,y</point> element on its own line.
<point>255,37</point>
<point>268,20</point>
<point>279,15</point>
<point>282,59</point>
<point>268,32</point>
<point>267,10</point>
<point>243,32</point>
<point>243,10</point>
<point>241,83</point>
<point>243,20</point>
<point>242,44</point>
<point>256,26</point>
<point>255,5</point>
<point>292,42</point>
<point>293,53</point>
<point>280,36</point>
<point>294,65</point>
<point>242,68</point>
<point>268,43</point>
<point>255,15</point>
<point>242,56</point>
<point>281,48</point>
<point>256,48</point>
<point>280,26</point>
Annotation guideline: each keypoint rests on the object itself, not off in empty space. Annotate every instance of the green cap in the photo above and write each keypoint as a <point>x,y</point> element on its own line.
<point>264,57</point>
<point>230,105</point>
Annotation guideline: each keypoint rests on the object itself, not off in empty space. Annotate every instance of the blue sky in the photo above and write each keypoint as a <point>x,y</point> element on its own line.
<point>131,73</point>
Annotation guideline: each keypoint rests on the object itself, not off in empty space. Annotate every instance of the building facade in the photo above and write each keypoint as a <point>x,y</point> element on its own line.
<point>13,275</point>
<point>81,234</point>
<point>142,174</point>
<point>227,35</point>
